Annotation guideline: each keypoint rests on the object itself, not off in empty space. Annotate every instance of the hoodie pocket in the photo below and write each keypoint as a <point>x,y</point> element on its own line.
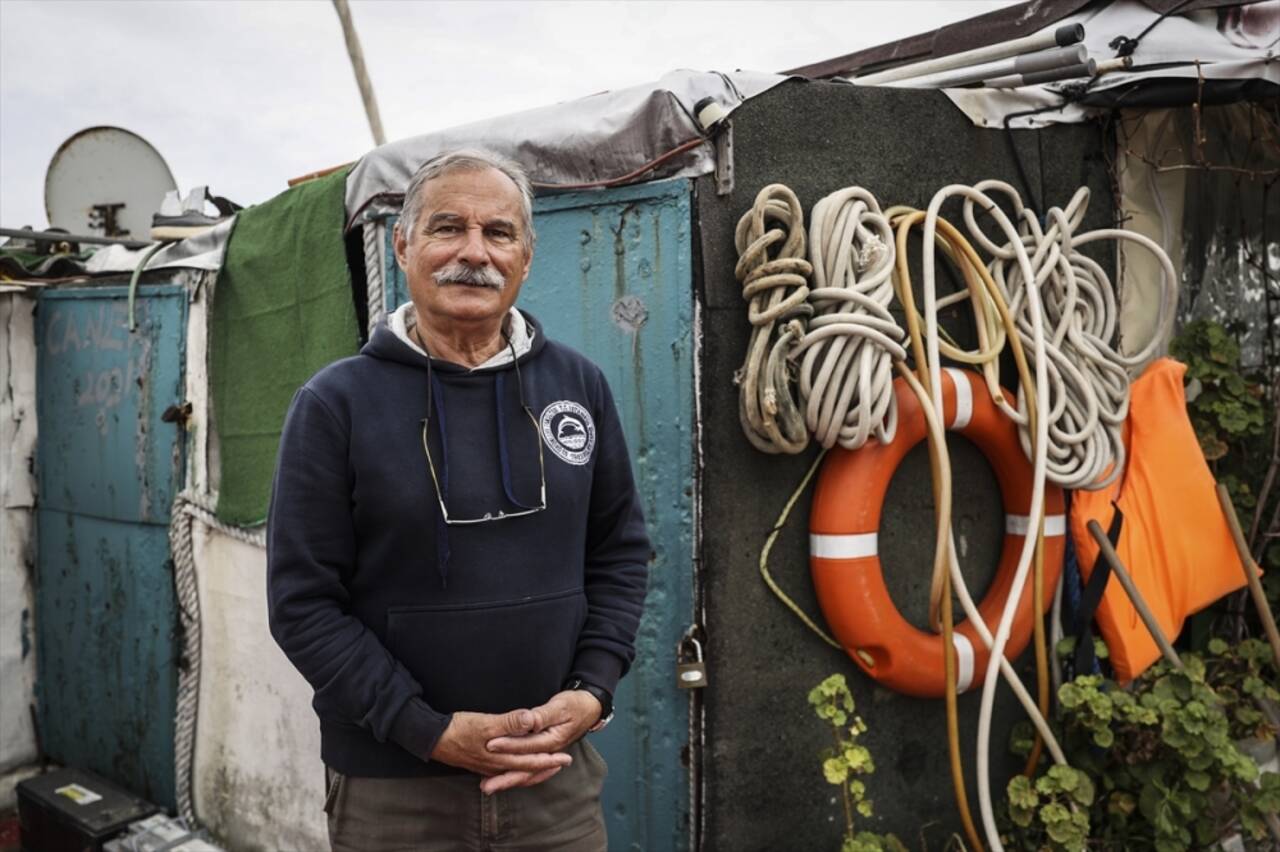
<point>489,658</point>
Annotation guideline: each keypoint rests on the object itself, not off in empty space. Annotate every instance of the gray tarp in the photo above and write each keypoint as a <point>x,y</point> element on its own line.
<point>203,251</point>
<point>592,139</point>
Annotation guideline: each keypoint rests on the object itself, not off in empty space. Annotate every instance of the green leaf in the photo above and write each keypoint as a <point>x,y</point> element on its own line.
<point>1066,779</point>
<point>1021,793</point>
<point>1084,792</point>
<point>1268,799</point>
<point>835,770</point>
<point>858,759</point>
<point>1121,804</point>
<point>1061,828</point>
<point>1198,780</point>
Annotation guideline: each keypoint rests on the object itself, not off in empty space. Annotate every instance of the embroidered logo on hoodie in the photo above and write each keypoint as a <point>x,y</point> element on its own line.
<point>568,430</point>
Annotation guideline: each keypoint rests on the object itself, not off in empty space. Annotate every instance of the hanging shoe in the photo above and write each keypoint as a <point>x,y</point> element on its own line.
<point>178,220</point>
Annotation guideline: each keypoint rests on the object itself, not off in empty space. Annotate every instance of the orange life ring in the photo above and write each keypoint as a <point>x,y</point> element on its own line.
<point>844,560</point>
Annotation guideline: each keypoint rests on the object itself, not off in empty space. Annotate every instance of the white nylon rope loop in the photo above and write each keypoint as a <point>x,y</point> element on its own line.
<point>1036,509</point>
<point>770,240</point>
<point>1088,378</point>
<point>846,374</point>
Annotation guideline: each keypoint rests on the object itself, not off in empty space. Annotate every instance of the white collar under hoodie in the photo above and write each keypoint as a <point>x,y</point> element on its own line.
<point>403,320</point>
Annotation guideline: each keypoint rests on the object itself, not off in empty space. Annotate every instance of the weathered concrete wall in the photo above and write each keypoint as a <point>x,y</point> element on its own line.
<point>764,786</point>
<point>259,782</point>
<point>17,536</point>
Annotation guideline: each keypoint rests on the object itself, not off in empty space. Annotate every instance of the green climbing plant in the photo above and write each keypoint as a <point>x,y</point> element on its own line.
<point>1245,678</point>
<point>1227,408</point>
<point>1237,431</point>
<point>847,762</point>
<point>1156,765</point>
<point>1053,809</point>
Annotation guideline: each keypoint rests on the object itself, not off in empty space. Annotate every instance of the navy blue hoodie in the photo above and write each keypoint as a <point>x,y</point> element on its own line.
<point>398,620</point>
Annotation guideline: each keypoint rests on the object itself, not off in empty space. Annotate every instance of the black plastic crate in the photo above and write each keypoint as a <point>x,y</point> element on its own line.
<point>71,810</point>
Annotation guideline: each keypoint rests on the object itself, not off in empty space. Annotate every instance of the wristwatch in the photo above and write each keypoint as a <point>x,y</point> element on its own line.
<point>602,695</point>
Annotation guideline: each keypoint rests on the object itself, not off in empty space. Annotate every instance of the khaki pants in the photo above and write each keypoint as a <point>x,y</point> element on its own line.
<point>449,813</point>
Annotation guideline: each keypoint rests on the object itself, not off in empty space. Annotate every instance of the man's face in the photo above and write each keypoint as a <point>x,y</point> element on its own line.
<point>470,228</point>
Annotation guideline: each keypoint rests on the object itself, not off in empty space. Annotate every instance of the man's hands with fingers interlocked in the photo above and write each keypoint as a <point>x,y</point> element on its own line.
<point>520,748</point>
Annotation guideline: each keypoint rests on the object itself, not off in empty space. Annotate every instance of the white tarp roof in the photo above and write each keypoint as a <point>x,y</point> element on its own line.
<point>1225,43</point>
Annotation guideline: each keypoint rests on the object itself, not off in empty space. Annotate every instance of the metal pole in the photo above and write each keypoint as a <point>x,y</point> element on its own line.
<point>1063,36</point>
<point>361,72</point>
<point>63,237</point>
<point>1025,63</point>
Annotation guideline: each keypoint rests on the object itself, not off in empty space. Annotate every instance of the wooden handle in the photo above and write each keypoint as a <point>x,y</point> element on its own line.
<point>1149,619</point>
<point>1250,573</point>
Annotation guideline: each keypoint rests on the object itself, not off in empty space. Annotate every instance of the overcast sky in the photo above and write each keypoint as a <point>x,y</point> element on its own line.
<point>244,94</point>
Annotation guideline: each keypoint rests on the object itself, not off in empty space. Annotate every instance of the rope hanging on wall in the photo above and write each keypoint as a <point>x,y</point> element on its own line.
<point>847,354</point>
<point>1056,306</point>
<point>770,240</point>
<point>1088,375</point>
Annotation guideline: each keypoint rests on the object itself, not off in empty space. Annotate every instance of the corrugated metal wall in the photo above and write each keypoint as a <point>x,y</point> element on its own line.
<point>108,469</point>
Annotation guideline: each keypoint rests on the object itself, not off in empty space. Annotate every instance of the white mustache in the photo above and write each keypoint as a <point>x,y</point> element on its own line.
<point>475,276</point>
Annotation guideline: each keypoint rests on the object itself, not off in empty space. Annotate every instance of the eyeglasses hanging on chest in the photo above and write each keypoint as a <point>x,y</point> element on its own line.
<point>440,480</point>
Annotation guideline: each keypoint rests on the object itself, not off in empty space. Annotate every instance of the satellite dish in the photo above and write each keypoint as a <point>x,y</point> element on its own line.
<point>108,181</point>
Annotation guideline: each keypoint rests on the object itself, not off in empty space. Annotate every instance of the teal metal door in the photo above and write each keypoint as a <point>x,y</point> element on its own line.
<point>612,277</point>
<point>107,472</point>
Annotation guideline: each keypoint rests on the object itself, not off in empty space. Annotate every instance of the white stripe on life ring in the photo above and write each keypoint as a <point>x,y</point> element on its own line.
<point>964,398</point>
<point>854,546</point>
<point>964,661</point>
<point>1019,524</point>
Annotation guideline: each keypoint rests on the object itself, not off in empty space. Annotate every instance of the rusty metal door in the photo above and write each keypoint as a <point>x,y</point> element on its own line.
<point>612,277</point>
<point>108,468</point>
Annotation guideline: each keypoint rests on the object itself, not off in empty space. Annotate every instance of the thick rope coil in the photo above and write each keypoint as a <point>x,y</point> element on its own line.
<point>376,289</point>
<point>770,240</point>
<point>189,507</point>
<point>846,373</point>
<point>1088,376</point>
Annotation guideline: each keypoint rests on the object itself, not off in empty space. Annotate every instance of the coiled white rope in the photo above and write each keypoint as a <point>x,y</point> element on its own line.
<point>1088,377</point>
<point>770,240</point>
<point>846,373</point>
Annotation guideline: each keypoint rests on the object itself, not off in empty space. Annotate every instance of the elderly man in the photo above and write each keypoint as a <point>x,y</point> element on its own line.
<point>456,550</point>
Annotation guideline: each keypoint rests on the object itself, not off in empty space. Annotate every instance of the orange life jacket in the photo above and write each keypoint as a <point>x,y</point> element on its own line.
<point>1174,540</point>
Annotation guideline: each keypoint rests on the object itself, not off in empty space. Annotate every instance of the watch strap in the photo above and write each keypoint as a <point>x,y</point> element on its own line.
<point>602,695</point>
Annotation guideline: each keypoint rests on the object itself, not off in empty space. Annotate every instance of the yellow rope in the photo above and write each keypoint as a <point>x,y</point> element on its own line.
<point>768,546</point>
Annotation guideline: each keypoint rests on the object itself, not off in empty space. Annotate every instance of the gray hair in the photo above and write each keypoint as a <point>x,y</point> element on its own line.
<point>466,160</point>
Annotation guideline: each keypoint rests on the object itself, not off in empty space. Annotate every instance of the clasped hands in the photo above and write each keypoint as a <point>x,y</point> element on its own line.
<point>519,748</point>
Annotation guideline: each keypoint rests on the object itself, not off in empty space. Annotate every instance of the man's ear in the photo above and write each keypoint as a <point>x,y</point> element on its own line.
<point>528,263</point>
<point>401,246</point>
